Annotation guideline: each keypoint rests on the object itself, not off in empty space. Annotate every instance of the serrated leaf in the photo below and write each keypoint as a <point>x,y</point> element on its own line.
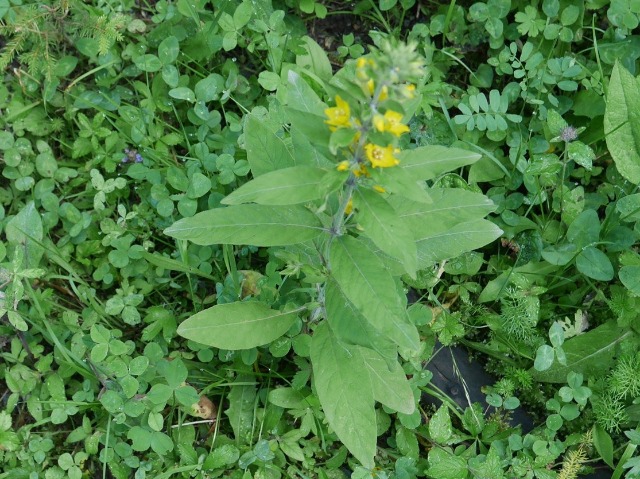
<point>443,464</point>
<point>622,122</point>
<point>345,392</point>
<point>382,225</point>
<point>288,186</point>
<point>237,325</point>
<point>256,225</point>
<point>440,428</point>
<point>364,280</point>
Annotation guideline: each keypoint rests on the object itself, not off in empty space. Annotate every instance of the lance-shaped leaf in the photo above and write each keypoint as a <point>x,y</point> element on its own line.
<point>365,281</point>
<point>455,241</point>
<point>288,186</point>
<point>390,386</point>
<point>25,231</point>
<point>266,151</point>
<point>256,225</point>
<point>428,162</point>
<point>449,207</point>
<point>237,325</point>
<point>349,326</point>
<point>242,398</point>
<point>622,122</point>
<point>345,392</point>
<point>382,225</point>
<point>399,182</point>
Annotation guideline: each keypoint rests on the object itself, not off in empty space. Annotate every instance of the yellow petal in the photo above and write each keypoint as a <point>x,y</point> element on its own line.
<point>343,166</point>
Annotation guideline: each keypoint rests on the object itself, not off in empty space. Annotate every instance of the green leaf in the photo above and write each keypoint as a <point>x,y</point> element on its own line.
<point>630,277</point>
<point>209,88</point>
<point>269,80</point>
<point>443,464</point>
<point>370,287</point>
<point>561,254</point>
<point>595,264</point>
<point>604,445</point>
<point>390,385</point>
<point>148,63</point>
<point>622,123</point>
<point>448,207</point>
<point>287,398</point>
<point>266,151</point>
<point>315,60</point>
<point>383,226</point>
<point>455,241</point>
<point>556,334</point>
<point>345,392</point>
<point>168,50</point>
<point>256,225</point>
<point>440,428</point>
<point>544,358</point>
<point>289,186</point>
<point>591,353</point>
<point>237,325</point>
<point>301,97</point>
<point>428,162</point>
<point>174,265</point>
<point>629,207</point>
<point>199,185</point>
<point>582,154</point>
<point>351,327</point>
<point>241,406</point>
<point>25,231</point>
<point>585,229</point>
<point>183,93</point>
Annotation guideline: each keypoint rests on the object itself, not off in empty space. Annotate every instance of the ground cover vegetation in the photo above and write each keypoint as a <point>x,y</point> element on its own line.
<point>235,234</point>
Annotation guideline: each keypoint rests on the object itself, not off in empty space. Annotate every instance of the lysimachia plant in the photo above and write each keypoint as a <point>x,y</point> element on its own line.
<point>357,212</point>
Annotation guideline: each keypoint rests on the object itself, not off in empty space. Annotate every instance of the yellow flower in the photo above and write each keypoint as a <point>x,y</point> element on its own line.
<point>349,208</point>
<point>379,189</point>
<point>381,156</point>
<point>361,67</point>
<point>384,93</point>
<point>339,115</point>
<point>343,166</point>
<point>361,171</point>
<point>409,90</point>
<point>391,122</point>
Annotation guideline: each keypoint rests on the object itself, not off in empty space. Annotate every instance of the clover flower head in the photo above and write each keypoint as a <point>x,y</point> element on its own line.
<point>381,156</point>
<point>568,133</point>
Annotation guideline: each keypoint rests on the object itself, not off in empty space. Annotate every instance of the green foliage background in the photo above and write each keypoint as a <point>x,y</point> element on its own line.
<point>130,128</point>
